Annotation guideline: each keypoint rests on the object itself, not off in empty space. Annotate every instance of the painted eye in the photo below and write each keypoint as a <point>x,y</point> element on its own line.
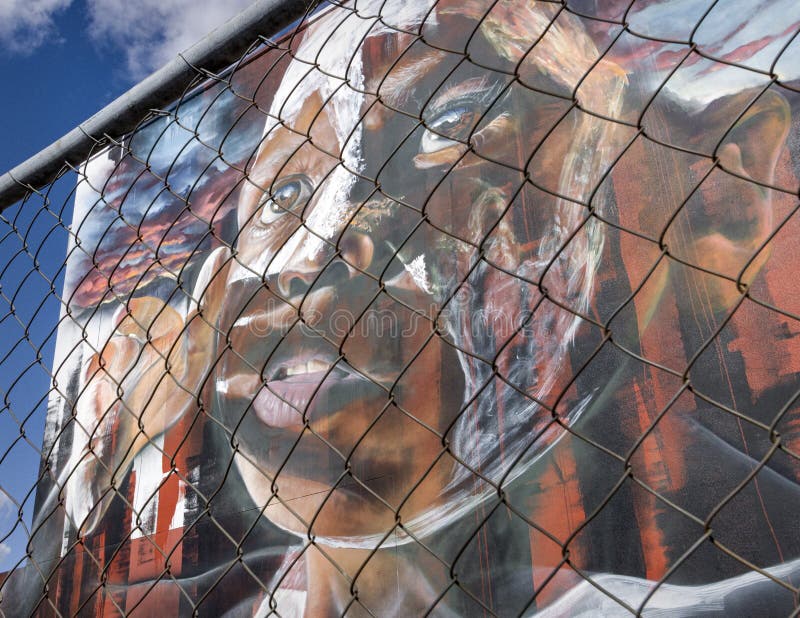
<point>289,195</point>
<point>451,124</point>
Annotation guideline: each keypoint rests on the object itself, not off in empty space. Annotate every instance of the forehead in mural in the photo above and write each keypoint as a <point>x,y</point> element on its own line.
<point>350,105</point>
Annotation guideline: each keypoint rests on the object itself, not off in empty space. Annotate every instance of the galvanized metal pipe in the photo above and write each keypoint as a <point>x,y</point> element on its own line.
<point>214,53</point>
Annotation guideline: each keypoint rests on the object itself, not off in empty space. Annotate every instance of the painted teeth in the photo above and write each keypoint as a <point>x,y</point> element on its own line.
<point>312,366</point>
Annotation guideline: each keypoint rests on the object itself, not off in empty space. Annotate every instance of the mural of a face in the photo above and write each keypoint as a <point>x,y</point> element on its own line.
<point>438,222</point>
<point>374,284</point>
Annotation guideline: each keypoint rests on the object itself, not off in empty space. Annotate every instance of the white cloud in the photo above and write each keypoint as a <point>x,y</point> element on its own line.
<point>148,33</point>
<point>5,502</point>
<point>151,32</point>
<point>7,507</point>
<point>26,24</point>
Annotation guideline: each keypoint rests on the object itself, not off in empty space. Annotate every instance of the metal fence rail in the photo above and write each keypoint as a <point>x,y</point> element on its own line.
<point>213,54</point>
<point>449,308</point>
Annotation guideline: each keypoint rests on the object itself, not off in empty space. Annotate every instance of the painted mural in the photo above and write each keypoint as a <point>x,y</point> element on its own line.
<point>463,308</point>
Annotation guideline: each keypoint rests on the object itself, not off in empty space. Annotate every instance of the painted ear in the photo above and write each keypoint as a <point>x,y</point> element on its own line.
<point>754,144</point>
<point>726,225</point>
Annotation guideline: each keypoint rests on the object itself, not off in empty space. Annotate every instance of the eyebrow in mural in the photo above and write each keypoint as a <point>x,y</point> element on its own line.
<point>451,308</point>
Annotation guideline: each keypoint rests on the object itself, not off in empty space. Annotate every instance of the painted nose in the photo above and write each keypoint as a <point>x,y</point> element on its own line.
<point>330,265</point>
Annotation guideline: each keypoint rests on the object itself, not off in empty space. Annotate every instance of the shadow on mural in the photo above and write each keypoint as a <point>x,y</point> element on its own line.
<point>467,308</point>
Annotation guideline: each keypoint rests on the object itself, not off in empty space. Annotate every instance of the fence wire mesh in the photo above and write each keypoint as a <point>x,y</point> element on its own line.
<point>422,308</point>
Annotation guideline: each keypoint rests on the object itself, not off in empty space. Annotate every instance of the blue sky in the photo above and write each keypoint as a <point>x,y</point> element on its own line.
<point>61,61</point>
<point>51,90</point>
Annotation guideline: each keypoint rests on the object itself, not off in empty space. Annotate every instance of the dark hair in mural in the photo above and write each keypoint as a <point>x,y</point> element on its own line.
<point>463,308</point>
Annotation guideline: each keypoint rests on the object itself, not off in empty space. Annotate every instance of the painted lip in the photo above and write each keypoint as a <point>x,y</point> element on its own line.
<point>285,398</point>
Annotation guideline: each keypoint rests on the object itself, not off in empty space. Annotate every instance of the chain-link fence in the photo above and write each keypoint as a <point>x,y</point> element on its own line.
<point>420,308</point>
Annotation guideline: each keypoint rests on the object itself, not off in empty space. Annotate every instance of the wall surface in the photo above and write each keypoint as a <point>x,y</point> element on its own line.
<point>464,307</point>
